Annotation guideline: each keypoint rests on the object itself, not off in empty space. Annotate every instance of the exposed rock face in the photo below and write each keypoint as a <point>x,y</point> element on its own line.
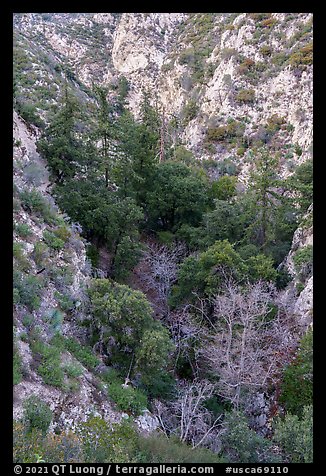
<point>147,423</point>
<point>299,293</point>
<point>69,408</point>
<point>163,53</point>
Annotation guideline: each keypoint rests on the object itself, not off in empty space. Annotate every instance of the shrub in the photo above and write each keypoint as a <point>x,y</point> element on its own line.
<point>50,360</point>
<point>93,255</point>
<point>73,370</point>
<point>159,449</point>
<point>102,443</point>
<point>37,414</point>
<point>245,96</point>
<point>128,399</point>
<point>33,446</point>
<point>295,436</point>
<point>266,50</point>
<point>190,110</point>
<point>242,444</point>
<point>34,174</point>
<point>40,254</point>
<point>303,260</point>
<point>23,230</point>
<point>65,302</point>
<point>82,353</point>
<point>55,318</point>
<point>29,114</point>
<point>297,385</point>
<point>303,57</point>
<point>33,202</point>
<point>28,321</point>
<point>28,290</point>
<point>17,367</point>
<point>279,58</point>
<point>20,257</point>
<point>52,240</point>
<point>261,267</point>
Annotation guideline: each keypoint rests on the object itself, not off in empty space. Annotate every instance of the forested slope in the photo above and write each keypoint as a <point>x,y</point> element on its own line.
<point>163,237</point>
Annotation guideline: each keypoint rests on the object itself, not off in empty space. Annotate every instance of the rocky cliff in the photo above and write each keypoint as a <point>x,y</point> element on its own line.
<point>228,80</point>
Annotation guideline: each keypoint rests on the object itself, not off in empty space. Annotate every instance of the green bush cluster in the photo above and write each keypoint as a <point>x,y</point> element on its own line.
<point>33,202</point>
<point>31,446</point>
<point>297,386</point>
<point>17,367</point>
<point>52,240</point>
<point>81,352</point>
<point>246,96</point>
<point>49,363</point>
<point>20,258</point>
<point>28,290</point>
<point>37,414</point>
<point>128,399</point>
<point>23,230</point>
<point>303,258</point>
<point>303,57</point>
<point>220,133</point>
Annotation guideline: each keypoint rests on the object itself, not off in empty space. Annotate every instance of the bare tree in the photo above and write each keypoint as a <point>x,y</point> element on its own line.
<point>248,346</point>
<point>163,264</point>
<point>187,416</point>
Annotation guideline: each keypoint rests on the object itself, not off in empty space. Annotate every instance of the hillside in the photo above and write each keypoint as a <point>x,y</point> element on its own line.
<point>162,237</point>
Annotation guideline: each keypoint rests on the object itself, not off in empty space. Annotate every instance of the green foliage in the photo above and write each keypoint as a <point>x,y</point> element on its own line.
<point>127,399</point>
<point>49,367</point>
<point>123,311</point>
<point>65,302</point>
<point>181,154</point>
<point>31,446</point>
<point>37,414</point>
<point>224,188</point>
<point>55,318</point>
<point>72,370</point>
<point>295,436</point>
<point>60,144</point>
<point>159,449</point>
<point>303,57</point>
<point>17,367</point>
<point>103,443</point>
<point>52,240</point>
<point>266,50</point>
<point>29,113</point>
<point>126,315</point>
<point>261,267</point>
<point>246,96</point>
<point>23,230</point>
<point>127,255</point>
<point>225,132</point>
<point>303,260</point>
<point>204,274</point>
<point>241,444</point>
<point>178,195</point>
<point>93,255</point>
<point>28,290</point>
<point>301,183</point>
<point>190,110</point>
<point>153,353</point>
<point>19,256</point>
<point>102,213</point>
<point>297,382</point>
<point>33,202</point>
<point>28,321</point>
<point>40,254</point>
<point>81,353</point>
